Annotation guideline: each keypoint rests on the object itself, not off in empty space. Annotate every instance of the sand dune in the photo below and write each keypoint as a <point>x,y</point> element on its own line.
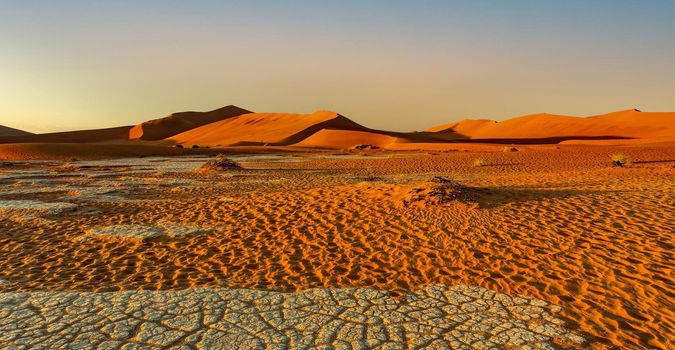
<point>623,124</point>
<point>463,127</point>
<point>151,130</point>
<point>347,138</point>
<point>332,130</point>
<point>176,123</point>
<point>7,131</point>
<point>322,129</point>
<point>265,129</point>
<point>94,135</point>
<point>232,126</point>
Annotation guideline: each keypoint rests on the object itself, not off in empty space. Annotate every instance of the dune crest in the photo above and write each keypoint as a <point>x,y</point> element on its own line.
<point>233,126</point>
<point>176,123</point>
<point>347,138</point>
<point>622,124</point>
<point>278,129</point>
<point>7,131</point>
<point>114,134</point>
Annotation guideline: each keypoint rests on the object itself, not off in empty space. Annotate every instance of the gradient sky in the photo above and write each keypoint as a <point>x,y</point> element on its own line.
<point>398,65</point>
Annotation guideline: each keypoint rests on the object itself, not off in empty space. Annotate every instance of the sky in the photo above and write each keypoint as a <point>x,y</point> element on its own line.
<point>396,65</point>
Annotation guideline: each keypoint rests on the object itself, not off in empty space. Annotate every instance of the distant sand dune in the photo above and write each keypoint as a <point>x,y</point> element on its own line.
<point>176,123</point>
<point>320,129</point>
<point>7,131</point>
<point>231,126</point>
<point>94,135</point>
<point>347,138</point>
<point>264,128</point>
<point>623,124</point>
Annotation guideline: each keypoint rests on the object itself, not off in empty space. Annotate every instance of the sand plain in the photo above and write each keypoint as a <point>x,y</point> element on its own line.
<point>555,224</point>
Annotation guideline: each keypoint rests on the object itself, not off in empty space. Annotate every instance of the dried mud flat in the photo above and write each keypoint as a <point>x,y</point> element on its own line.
<point>559,248</point>
<point>436,317</point>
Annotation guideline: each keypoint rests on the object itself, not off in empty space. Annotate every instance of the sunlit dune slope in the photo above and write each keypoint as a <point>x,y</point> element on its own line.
<point>320,129</point>
<point>265,128</point>
<point>7,131</point>
<point>623,124</point>
<point>463,127</point>
<point>95,135</point>
<point>176,123</point>
<point>347,138</point>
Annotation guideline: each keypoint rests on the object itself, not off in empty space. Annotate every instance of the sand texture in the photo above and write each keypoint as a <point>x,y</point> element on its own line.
<point>557,225</point>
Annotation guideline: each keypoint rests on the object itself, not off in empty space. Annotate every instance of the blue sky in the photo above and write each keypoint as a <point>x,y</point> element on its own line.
<point>402,65</point>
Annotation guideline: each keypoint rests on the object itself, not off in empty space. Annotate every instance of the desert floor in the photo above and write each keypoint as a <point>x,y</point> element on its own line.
<point>549,246</point>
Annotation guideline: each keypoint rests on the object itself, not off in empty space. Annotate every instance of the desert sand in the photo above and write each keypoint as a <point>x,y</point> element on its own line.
<point>322,232</point>
<point>549,246</point>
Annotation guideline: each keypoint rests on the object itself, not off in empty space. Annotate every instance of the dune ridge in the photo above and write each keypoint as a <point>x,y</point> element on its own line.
<point>322,129</point>
<point>7,131</point>
<point>630,123</point>
<point>279,129</point>
<point>232,126</point>
<point>80,136</point>
<point>176,123</point>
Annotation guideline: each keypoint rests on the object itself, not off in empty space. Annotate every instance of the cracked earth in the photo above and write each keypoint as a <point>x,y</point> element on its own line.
<point>436,317</point>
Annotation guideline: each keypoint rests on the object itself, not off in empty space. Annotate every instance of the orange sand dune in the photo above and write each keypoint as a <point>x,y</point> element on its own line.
<point>463,127</point>
<point>321,129</point>
<point>383,139</point>
<point>7,131</point>
<point>176,123</point>
<point>623,124</point>
<point>264,128</point>
<point>347,138</point>
<point>94,135</point>
<point>233,126</point>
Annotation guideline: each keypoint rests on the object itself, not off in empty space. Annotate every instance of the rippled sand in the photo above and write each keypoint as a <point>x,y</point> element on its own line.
<point>555,224</point>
